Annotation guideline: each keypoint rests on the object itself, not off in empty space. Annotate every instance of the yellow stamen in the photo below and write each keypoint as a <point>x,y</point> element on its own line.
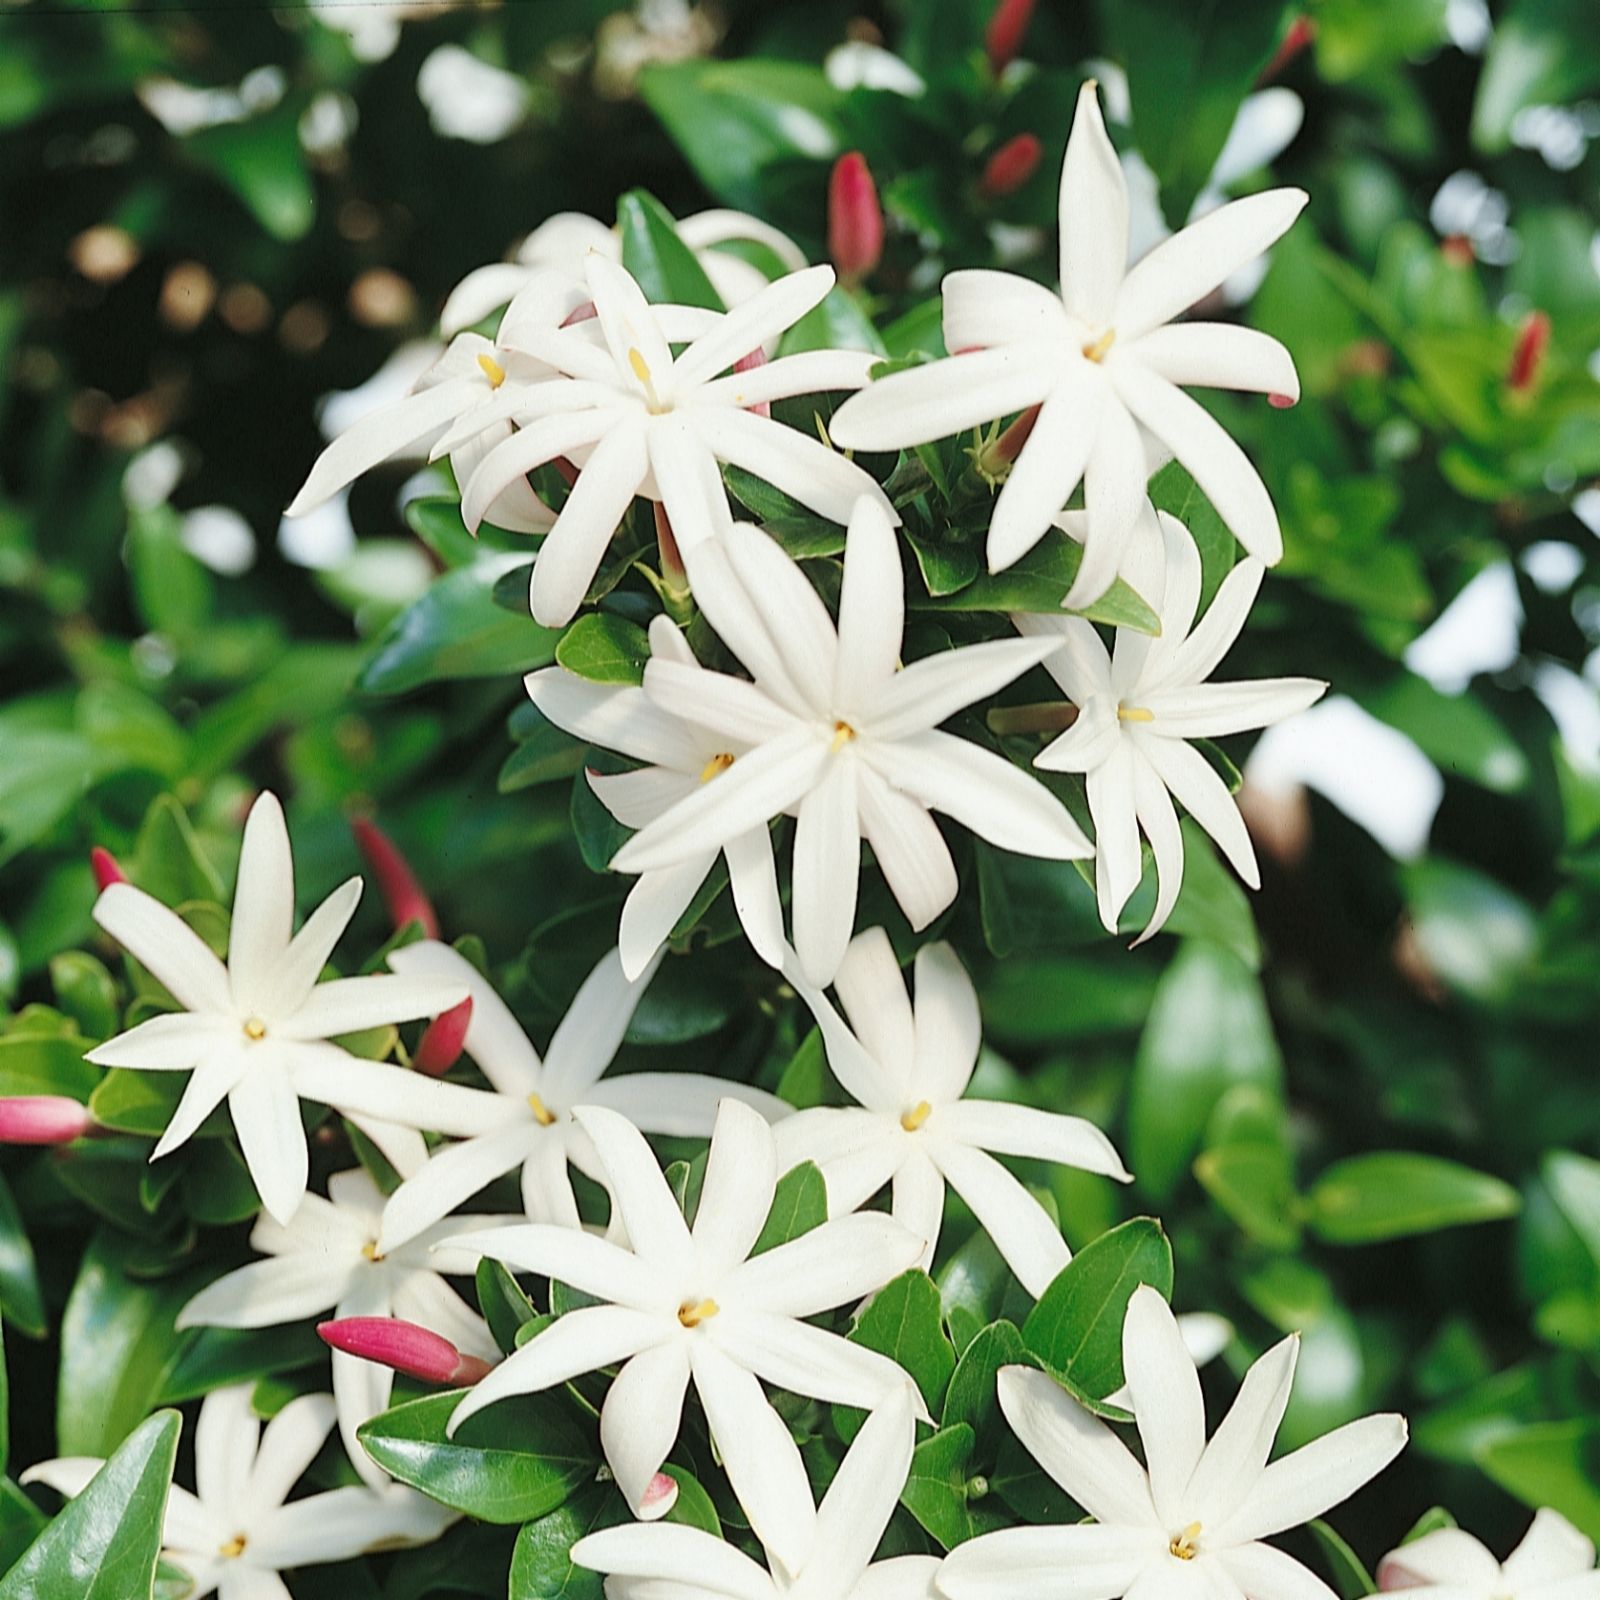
<point>716,766</point>
<point>370,1250</point>
<point>641,367</point>
<point>255,1028</point>
<point>492,370</point>
<point>843,733</point>
<point>916,1116</point>
<point>692,1313</point>
<point>234,1547</point>
<point>1135,714</point>
<point>542,1114</point>
<point>1186,1545</point>
<point>1097,350</point>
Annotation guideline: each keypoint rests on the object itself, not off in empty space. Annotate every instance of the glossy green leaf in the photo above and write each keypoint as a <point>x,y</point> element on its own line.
<point>504,1306</point>
<point>1393,1194</point>
<point>903,1321</point>
<point>1349,1577</point>
<point>604,649</point>
<point>664,267</point>
<point>1555,1464</point>
<point>799,1204</point>
<point>972,1397</point>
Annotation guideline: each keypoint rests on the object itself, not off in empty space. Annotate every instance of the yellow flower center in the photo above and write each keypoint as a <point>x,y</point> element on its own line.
<point>233,1548</point>
<point>255,1028</point>
<point>370,1250</point>
<point>542,1114</point>
<point>1134,714</point>
<point>1186,1545</point>
<point>716,766</point>
<point>843,733</point>
<point>492,370</point>
<point>641,370</point>
<point>1096,351</point>
<point>916,1116</point>
<point>693,1312</point>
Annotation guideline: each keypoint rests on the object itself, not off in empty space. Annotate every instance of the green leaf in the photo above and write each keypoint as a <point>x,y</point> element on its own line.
<point>457,631</point>
<point>1474,933</point>
<point>210,1358</point>
<point>939,1494</point>
<point>86,992</point>
<point>902,1321</point>
<point>513,1462</point>
<point>663,265</point>
<point>143,1103</point>
<point>801,532</point>
<point>168,859</point>
<point>21,1300</point>
<point>36,1064</point>
<point>1076,1328</point>
<point>503,1304</point>
<point>1392,1195</point>
<point>693,1507</point>
<point>1540,53</point>
<point>21,1522</point>
<point>105,1543</point>
<point>972,1397</point>
<point>1351,1580</point>
<point>1457,732</point>
<point>541,1564</point>
<point>799,1204</point>
<point>262,162</point>
<point>1554,1464</point>
<point>604,648</point>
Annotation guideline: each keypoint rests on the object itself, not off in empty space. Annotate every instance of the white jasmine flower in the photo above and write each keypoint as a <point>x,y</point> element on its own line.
<point>327,1258</point>
<point>1140,704</point>
<point>1553,1562</point>
<point>834,730</point>
<point>908,1068</point>
<point>240,1531</point>
<point>525,1119</point>
<point>670,1561</point>
<point>658,425</point>
<point>1189,1524</point>
<point>684,1304</point>
<point>682,756</point>
<point>256,1031</point>
<point>1104,361</point>
<point>565,240</point>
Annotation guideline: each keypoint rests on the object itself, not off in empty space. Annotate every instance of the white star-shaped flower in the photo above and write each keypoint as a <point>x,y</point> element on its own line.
<point>1140,704</point>
<point>327,1258</point>
<point>1104,362</point>
<point>255,1031</point>
<point>1188,1525</point>
<point>684,1304</point>
<point>835,730</point>
<point>1553,1562</point>
<point>667,1561</point>
<point>908,1068</point>
<point>657,424</point>
<point>680,758</point>
<point>565,240</point>
<point>525,1119</point>
<point>240,1530</point>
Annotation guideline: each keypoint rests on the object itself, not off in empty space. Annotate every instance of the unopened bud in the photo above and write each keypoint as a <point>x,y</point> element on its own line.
<point>398,885</point>
<point>1280,402</point>
<point>1301,32</point>
<point>1011,165</point>
<point>855,219</point>
<point>107,869</point>
<point>42,1119</point>
<point>659,1497</point>
<point>749,363</point>
<point>1533,339</point>
<point>1003,37</point>
<point>416,1351</point>
<point>440,1046</point>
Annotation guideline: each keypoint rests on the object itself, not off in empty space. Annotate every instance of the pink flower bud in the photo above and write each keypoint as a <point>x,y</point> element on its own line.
<point>1003,37</point>
<point>397,883</point>
<point>1533,339</point>
<point>1011,165</point>
<point>1009,445</point>
<point>749,363</point>
<point>855,219</point>
<point>107,869</point>
<point>1301,32</point>
<point>659,1497</point>
<point>418,1352</point>
<point>442,1040</point>
<point>42,1119</point>
<point>1280,402</point>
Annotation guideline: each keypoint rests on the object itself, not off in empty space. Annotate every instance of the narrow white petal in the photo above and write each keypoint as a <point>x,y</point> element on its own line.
<point>1213,710</point>
<point>827,870</point>
<point>1160,824</point>
<point>1218,355</point>
<point>1117,863</point>
<point>299,967</point>
<point>862,1497</point>
<point>809,372</point>
<point>1259,1569</point>
<point>983,307</point>
<point>361,1389</point>
<point>639,1191</point>
<point>639,797</point>
<point>1188,651</point>
<point>1019,1226</point>
<point>689,482</point>
<point>674,1553</point>
<point>641,1416</point>
<point>1167,1403</point>
<point>225,1439</point>
<point>909,849</point>
<point>1195,784</point>
<point>1093,217</point>
<point>844,1259</point>
<point>1079,663</point>
<point>1050,465</point>
<point>172,1042</point>
<point>753,882</point>
<point>341,1523</point>
<point>811,1361</point>
<point>1238,1450</point>
<point>948,1025</point>
<point>1551,1550</point>
<point>720,226</point>
<point>214,1079</point>
<point>450,1177</point>
<point>917,1202</point>
<point>681,1105</point>
<point>529,448</point>
<point>289,1444</point>
<point>264,1293</point>
<point>483,290</point>
<point>590,1033</point>
<point>1447,1558</point>
<point>379,1089</point>
<point>162,941</point>
<point>626,319</point>
<point>654,906</point>
<point>1087,1561</point>
<point>794,618</point>
<point>547,1194</point>
<point>425,1298</point>
<point>263,909</point>
<point>1013,1130</point>
<point>872,608</point>
<point>1113,493</point>
<point>777,307</point>
<point>1088,744</point>
<point>616,717</point>
<point>348,1005</point>
<point>872,1067</point>
<point>1165,569</point>
<point>933,689</point>
<point>741,1175</point>
<point>266,1117</point>
<point>717,702</point>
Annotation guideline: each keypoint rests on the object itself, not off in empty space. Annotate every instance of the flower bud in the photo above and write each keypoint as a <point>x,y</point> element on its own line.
<point>659,1497</point>
<point>417,1352</point>
<point>855,219</point>
<point>1533,339</point>
<point>1003,37</point>
<point>1011,166</point>
<point>398,885</point>
<point>106,868</point>
<point>749,363</point>
<point>440,1046</point>
<point>1301,32</point>
<point>1280,402</point>
<point>42,1119</point>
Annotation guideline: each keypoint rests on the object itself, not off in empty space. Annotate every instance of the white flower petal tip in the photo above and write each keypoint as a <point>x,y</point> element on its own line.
<point>659,1498</point>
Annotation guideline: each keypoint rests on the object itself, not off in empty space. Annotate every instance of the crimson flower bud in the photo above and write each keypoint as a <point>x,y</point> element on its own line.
<point>397,883</point>
<point>659,1497</point>
<point>107,869</point>
<point>442,1040</point>
<point>855,219</point>
<point>42,1119</point>
<point>1533,339</point>
<point>418,1352</point>
<point>1280,402</point>
<point>1011,165</point>
<point>1003,37</point>
<point>1301,32</point>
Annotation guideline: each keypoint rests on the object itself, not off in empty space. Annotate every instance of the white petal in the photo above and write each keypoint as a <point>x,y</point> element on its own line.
<point>1088,744</point>
<point>1188,652</point>
<point>1238,1450</point>
<point>348,1005</point>
<point>299,967</point>
<point>873,993</point>
<point>777,307</point>
<point>426,1299</point>
<point>617,717</point>
<point>675,1553</point>
<point>809,372</point>
<point>547,1194</point>
<point>945,397</point>
<point>719,226</point>
<point>266,1117</point>
<point>483,290</point>
<point>1113,493</point>
<point>1080,663</point>
<point>1213,710</point>
<point>1093,217</point>
<point>857,1067</point>
<point>1019,1226</point>
<point>626,318</point>
<point>793,616</point>
<point>862,1497</point>
<point>529,448</point>
<point>1259,1569</point>
<point>378,1089</point>
<point>172,1042</point>
<point>1167,1404</point>
<point>263,908</point>
<point>760,1455</point>
<point>809,1360</point>
<point>1160,823</point>
<point>264,1293</point>
<point>871,607</point>
<point>1447,1558</point>
<point>590,1033</point>
<point>1194,781</point>
<point>1117,863</point>
<point>235,1582</point>
<point>214,1078</point>
<point>1164,566</point>
<point>1551,1550</point>
<point>289,1444</point>
<point>842,1140</point>
<point>844,1259</point>
<point>654,906</point>
<point>983,307</point>
<point>1088,1561</point>
<point>641,1416</point>
<point>1079,1451</point>
<point>1013,1130</point>
<point>909,849</point>
<point>649,1210</point>
<point>450,1177</point>
<point>1050,465</point>
<point>1218,355</point>
<point>827,870</point>
<point>682,1105</point>
<point>722,705</point>
<point>639,797</point>
<point>917,1202</point>
<point>689,482</point>
<point>342,1523</point>
<point>225,1438</point>
<point>948,1026</point>
<point>162,941</point>
<point>929,691</point>
<point>753,882</point>
<point>741,1174</point>
<point>583,1260</point>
